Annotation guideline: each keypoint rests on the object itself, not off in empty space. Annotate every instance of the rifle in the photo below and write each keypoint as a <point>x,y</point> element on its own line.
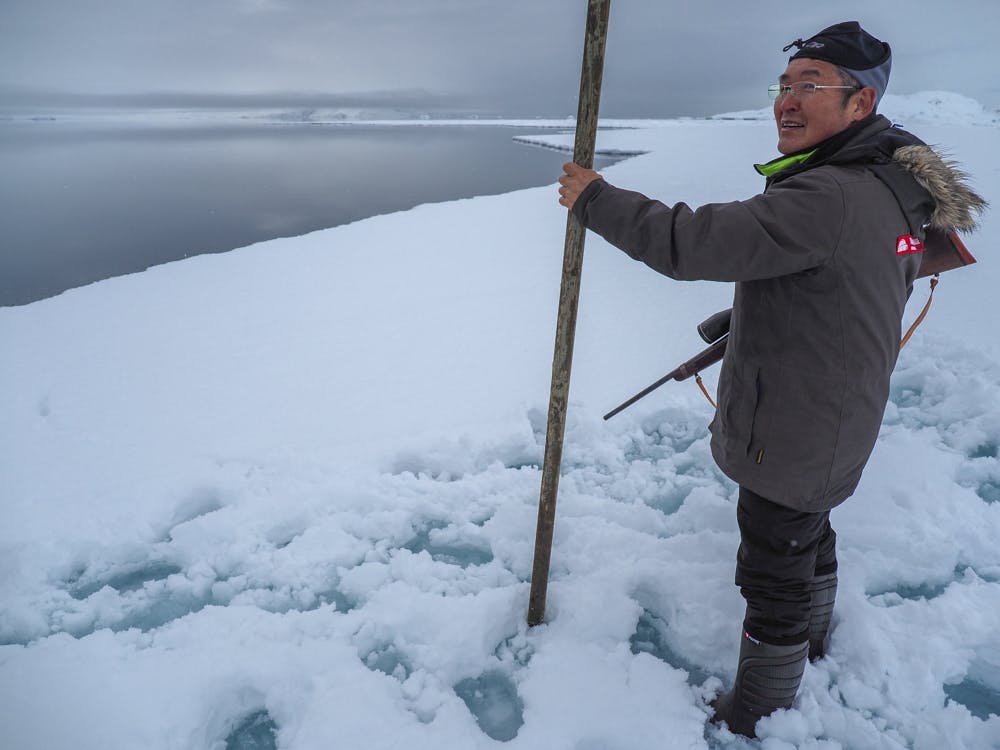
<point>943,251</point>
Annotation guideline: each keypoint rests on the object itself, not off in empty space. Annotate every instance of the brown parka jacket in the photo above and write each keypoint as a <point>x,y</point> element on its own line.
<point>823,269</point>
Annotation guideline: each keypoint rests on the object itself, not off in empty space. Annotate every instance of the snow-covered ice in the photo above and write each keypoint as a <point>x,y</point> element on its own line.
<point>287,495</point>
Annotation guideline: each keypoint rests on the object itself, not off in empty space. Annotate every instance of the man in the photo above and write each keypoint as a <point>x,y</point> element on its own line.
<point>824,261</point>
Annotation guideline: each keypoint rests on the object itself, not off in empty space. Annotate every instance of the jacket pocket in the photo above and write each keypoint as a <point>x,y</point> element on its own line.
<point>739,390</point>
<point>756,420</point>
<point>797,426</point>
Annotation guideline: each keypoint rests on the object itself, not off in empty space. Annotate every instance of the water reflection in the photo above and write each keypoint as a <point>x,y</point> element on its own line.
<point>83,203</point>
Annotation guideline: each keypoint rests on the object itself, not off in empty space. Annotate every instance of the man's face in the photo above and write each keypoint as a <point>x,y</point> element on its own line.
<point>804,122</point>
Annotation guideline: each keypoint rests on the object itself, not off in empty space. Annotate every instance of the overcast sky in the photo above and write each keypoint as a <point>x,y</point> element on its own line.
<point>504,57</point>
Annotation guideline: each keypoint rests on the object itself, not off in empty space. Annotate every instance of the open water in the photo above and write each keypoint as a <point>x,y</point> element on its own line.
<point>80,203</point>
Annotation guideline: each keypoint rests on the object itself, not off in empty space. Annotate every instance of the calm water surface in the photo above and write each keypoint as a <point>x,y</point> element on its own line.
<point>80,203</point>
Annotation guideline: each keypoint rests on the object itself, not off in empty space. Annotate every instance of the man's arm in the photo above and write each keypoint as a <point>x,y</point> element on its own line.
<point>793,227</point>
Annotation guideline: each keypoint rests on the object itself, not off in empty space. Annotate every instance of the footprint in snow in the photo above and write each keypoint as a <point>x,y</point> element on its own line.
<point>650,637</point>
<point>447,546</point>
<point>925,591</point>
<point>979,691</point>
<point>493,700</point>
<point>255,732</point>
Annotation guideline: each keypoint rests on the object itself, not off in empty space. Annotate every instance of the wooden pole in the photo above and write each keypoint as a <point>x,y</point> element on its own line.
<point>569,296</point>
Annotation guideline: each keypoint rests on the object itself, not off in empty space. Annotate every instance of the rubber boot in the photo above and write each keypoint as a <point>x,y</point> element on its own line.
<point>767,679</point>
<point>824,592</point>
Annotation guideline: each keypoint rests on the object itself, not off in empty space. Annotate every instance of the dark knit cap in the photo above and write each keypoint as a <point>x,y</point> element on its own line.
<point>853,49</point>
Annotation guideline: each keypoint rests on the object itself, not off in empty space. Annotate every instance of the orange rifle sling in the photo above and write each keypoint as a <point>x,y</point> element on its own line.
<point>923,314</point>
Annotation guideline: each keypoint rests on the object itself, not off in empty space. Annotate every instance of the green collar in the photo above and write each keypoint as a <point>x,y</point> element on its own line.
<point>781,163</point>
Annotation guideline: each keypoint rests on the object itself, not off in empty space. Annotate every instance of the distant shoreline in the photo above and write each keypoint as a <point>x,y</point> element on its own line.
<point>934,107</point>
<point>180,117</point>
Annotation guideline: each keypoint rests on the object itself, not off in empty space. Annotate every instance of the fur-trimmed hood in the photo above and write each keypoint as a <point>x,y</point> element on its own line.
<point>956,204</point>
<point>930,189</point>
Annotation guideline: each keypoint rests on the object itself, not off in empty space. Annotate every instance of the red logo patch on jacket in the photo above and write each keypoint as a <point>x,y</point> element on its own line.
<point>907,243</point>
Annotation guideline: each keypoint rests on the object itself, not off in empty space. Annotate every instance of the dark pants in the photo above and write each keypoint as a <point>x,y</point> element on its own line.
<point>780,551</point>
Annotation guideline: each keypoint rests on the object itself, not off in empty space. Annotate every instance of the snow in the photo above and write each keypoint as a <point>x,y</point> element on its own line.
<point>294,487</point>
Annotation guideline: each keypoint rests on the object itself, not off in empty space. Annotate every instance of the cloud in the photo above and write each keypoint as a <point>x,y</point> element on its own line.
<point>515,57</point>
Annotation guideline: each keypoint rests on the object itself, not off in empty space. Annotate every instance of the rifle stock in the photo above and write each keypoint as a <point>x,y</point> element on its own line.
<point>943,251</point>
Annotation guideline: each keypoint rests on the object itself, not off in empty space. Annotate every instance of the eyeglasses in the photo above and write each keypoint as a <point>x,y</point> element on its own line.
<point>799,89</point>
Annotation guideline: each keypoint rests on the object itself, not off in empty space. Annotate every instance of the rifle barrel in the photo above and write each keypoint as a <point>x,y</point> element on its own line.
<point>645,392</point>
<point>698,362</point>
